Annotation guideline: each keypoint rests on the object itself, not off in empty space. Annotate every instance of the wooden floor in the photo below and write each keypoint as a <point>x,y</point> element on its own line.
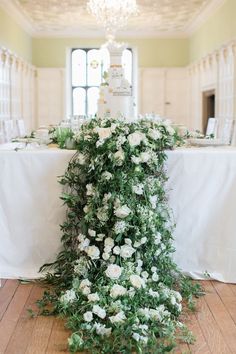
<point>214,325</point>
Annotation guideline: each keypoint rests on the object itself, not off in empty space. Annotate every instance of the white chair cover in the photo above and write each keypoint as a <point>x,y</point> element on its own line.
<point>20,128</point>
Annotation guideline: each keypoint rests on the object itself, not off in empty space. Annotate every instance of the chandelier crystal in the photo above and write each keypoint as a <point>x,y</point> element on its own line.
<point>112,14</point>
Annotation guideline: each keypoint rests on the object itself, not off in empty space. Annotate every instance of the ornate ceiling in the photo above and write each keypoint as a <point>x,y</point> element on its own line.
<point>70,17</point>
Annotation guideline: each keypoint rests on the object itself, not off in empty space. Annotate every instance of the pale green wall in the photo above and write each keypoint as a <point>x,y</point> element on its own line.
<point>217,30</point>
<point>51,52</point>
<point>13,37</point>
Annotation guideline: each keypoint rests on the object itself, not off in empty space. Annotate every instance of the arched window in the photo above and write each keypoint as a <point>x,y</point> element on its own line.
<point>87,70</point>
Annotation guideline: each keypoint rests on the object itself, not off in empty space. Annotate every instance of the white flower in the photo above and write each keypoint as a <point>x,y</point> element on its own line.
<point>68,297</point>
<point>116,250</point>
<point>99,311</point>
<point>136,336</point>
<point>122,212</point>
<point>109,242</point>
<point>90,189</point>
<point>102,330</point>
<point>137,244</point>
<point>128,241</point>
<point>106,256</point>
<point>102,214</point>
<point>143,240</point>
<point>153,293</point>
<point>157,239</point>
<point>154,134</point>
<point>145,275</point>
<point>117,290</point>
<point>91,233</point>
<point>100,237</point>
<point>126,251</point>
<point>85,283</point>
<point>93,252</point>
<point>119,157</point>
<point>138,189</point>
<point>136,160</point>
<point>106,175</point>
<point>84,244</point>
<point>154,269</point>
<point>120,227</point>
<point>172,300</point>
<point>131,292</point>
<point>93,297</point>
<point>136,138</point>
<point>153,201</point>
<point>170,130</point>
<point>119,317</point>
<point>113,271</point>
<point>86,290</point>
<point>145,157</point>
<point>137,281</point>
<point>88,316</point>
<point>103,133</point>
<point>81,237</point>
<point>155,277</point>
<point>81,158</point>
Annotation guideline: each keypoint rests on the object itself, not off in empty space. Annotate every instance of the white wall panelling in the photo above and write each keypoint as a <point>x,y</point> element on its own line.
<point>17,89</point>
<point>50,95</point>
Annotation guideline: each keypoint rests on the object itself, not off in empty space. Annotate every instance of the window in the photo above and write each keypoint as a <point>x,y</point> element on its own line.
<point>87,70</point>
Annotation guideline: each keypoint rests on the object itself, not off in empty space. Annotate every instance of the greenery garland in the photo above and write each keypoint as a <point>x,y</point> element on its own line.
<point>115,280</point>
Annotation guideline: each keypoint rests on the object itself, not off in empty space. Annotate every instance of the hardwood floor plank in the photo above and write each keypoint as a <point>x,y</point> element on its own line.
<point>6,295</point>
<point>11,315</point>
<point>58,340</point>
<point>200,345</point>
<point>20,339</point>
<point>210,329</point>
<point>2,283</point>
<point>222,289</point>
<point>233,288</point>
<point>40,336</point>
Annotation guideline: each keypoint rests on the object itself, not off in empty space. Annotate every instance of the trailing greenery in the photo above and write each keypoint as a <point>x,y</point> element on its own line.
<point>115,280</point>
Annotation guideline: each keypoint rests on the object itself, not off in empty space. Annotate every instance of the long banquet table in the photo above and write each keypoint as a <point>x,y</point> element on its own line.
<point>202,191</point>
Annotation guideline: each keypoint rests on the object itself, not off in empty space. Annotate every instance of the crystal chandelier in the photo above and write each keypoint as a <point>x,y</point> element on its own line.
<point>112,14</point>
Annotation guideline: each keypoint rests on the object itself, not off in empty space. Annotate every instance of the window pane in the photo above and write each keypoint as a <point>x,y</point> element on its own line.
<point>79,102</point>
<point>92,97</point>
<point>78,67</point>
<point>127,64</point>
<point>94,67</point>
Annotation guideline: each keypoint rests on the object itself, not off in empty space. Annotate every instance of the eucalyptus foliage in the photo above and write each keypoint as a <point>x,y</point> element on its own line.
<point>115,280</point>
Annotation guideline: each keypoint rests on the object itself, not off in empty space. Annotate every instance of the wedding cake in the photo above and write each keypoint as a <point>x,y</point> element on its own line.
<point>116,94</point>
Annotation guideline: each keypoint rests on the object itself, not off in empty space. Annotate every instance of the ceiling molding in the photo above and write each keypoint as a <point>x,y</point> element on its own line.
<point>203,16</point>
<point>18,16</point>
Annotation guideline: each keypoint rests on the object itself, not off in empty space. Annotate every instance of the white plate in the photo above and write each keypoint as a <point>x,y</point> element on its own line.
<point>206,142</point>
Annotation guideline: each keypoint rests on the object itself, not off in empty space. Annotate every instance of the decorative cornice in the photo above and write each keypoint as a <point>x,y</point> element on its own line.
<point>203,15</point>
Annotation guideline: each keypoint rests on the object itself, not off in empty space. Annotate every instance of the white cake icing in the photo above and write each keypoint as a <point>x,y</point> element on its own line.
<point>116,96</point>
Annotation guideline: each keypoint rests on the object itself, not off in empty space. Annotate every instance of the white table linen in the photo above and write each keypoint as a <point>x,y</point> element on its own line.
<point>202,193</point>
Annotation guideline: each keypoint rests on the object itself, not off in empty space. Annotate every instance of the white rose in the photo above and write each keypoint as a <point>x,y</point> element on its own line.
<point>145,157</point>
<point>84,244</point>
<point>101,330</point>
<point>126,251</point>
<point>69,296</point>
<point>119,317</point>
<point>137,281</point>
<point>91,233</point>
<point>100,237</point>
<point>93,297</point>
<point>88,316</point>
<point>128,241</point>
<point>154,134</point>
<point>145,275</point>
<point>90,189</point>
<point>106,175</point>
<point>103,133</point>
<point>136,160</point>
<point>136,138</point>
<point>99,311</point>
<point>106,256</point>
<point>113,271</point>
<point>109,242</point>
<point>116,250</point>
<point>117,290</point>
<point>154,269</point>
<point>143,240</point>
<point>86,290</point>
<point>119,156</point>
<point>122,212</point>
<point>93,252</point>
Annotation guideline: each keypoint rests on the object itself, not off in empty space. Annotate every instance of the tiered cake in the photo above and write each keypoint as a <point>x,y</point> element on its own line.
<point>116,96</point>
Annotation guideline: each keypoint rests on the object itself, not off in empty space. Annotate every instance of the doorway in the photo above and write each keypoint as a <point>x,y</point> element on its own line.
<point>208,105</point>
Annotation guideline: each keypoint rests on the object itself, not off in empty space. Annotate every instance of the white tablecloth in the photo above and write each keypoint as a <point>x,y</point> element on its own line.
<point>202,195</point>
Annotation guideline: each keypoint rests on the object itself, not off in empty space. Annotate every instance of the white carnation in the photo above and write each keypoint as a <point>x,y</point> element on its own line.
<point>122,212</point>
<point>88,316</point>
<point>93,252</point>
<point>113,271</point>
<point>117,290</point>
<point>126,251</point>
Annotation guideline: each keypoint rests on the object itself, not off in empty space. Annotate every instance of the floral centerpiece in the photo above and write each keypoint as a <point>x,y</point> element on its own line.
<point>115,280</point>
